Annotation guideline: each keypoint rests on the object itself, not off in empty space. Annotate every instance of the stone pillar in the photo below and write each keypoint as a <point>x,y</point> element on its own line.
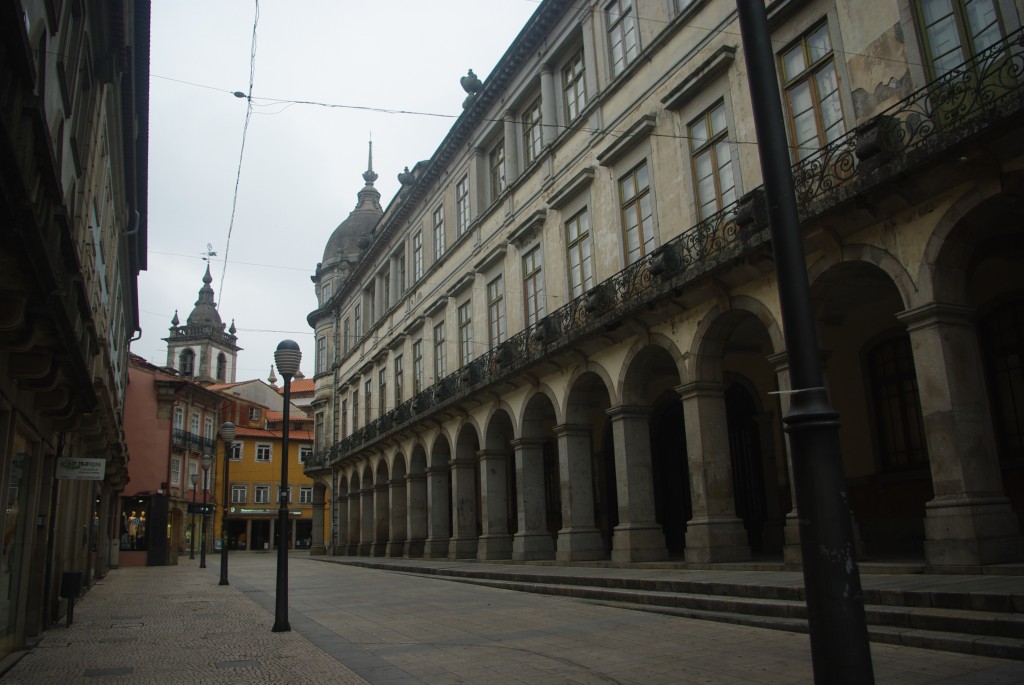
<point>341,527</point>
<point>393,282</point>
<point>548,97</point>
<point>317,546</point>
<point>970,521</point>
<point>511,146</point>
<point>436,544</point>
<point>791,535</point>
<point>416,514</point>
<point>355,526</point>
<point>532,541</point>
<point>638,537</point>
<point>496,541</point>
<point>715,533</point>
<point>380,519</point>
<point>464,536</point>
<point>397,524</point>
<point>579,539</point>
<point>366,519</point>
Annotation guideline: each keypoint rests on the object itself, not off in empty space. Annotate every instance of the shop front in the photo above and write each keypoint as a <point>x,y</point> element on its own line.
<point>256,528</point>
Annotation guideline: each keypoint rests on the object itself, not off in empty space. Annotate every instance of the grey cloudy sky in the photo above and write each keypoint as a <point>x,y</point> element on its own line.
<point>303,163</point>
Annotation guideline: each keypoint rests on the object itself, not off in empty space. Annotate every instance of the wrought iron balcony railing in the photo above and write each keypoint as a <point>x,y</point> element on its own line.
<point>983,91</point>
<point>193,441</point>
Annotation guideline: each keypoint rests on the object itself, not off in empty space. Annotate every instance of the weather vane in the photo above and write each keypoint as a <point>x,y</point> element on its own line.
<point>209,252</point>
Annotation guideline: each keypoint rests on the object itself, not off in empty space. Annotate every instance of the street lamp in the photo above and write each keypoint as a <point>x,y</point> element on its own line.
<point>227,434</point>
<point>287,357</point>
<point>192,525</point>
<point>206,460</point>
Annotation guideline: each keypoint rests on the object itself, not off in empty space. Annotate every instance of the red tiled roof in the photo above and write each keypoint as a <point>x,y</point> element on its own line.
<point>301,385</point>
<point>243,432</point>
<point>292,417</point>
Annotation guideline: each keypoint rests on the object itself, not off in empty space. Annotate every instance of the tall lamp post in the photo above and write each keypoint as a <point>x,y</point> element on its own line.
<point>287,357</point>
<point>227,435</point>
<point>835,602</point>
<point>207,460</point>
<point>192,525</point>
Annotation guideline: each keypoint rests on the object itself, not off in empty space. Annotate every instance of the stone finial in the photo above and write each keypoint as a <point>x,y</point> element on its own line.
<point>175,321</point>
<point>406,177</point>
<point>272,378</point>
<point>470,83</point>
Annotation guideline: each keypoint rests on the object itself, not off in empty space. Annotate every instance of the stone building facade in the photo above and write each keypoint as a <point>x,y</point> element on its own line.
<point>562,338</point>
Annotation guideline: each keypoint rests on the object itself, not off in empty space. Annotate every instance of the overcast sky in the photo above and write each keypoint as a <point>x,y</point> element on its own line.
<point>303,163</point>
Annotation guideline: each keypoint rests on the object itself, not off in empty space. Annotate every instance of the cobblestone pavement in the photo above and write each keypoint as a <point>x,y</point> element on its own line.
<point>350,624</point>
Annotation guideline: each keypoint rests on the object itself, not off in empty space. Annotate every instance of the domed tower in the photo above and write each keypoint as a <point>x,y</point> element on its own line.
<point>202,349</point>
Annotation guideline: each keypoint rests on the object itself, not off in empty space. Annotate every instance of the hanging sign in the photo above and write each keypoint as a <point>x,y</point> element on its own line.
<point>74,468</point>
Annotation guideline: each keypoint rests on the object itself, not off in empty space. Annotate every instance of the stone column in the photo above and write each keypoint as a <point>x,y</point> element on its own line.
<point>496,541</point>
<point>791,535</point>
<point>715,533</point>
<point>397,524</point>
<point>549,129</point>
<point>579,539</point>
<point>355,526</point>
<point>317,546</point>
<point>393,281</point>
<point>970,521</point>
<point>341,527</point>
<point>511,146</point>
<point>380,519</point>
<point>532,541</point>
<point>638,537</point>
<point>367,522</point>
<point>464,536</point>
<point>416,514</point>
<point>436,545</point>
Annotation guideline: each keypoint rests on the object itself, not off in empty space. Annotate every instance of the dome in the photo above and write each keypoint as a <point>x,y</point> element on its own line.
<point>205,313</point>
<point>351,236</point>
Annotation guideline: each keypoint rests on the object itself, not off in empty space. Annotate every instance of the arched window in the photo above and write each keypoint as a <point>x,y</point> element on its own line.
<point>186,362</point>
<point>222,366</point>
<point>1002,343</point>
<point>896,405</point>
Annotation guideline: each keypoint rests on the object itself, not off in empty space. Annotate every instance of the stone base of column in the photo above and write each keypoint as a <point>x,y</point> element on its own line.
<point>395,549</point>
<point>971,531</point>
<point>317,551</point>
<point>791,555</point>
<point>494,547</point>
<point>532,547</point>
<point>638,542</point>
<point>379,549</point>
<point>462,548</point>
<point>580,544</point>
<point>710,541</point>
<point>365,549</point>
<point>414,549</point>
<point>435,548</point>
<point>352,549</point>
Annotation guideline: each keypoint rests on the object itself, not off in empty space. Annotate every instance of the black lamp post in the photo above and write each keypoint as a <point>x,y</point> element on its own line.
<point>207,460</point>
<point>227,434</point>
<point>287,357</point>
<point>192,526</point>
<point>835,602</point>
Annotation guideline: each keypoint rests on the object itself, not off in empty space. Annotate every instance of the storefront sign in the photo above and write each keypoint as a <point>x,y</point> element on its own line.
<point>203,509</point>
<point>252,511</point>
<point>73,468</point>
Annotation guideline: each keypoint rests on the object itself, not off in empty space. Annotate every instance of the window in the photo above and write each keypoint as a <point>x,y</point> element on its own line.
<point>325,292</point>
<point>254,413</point>
<point>440,358</point>
<point>812,93</point>
<point>346,336</point>
<point>236,451</point>
<point>417,256</point>
<point>712,161</point>
<point>581,273</point>
<point>417,366</point>
<point>382,391</point>
<point>462,206</point>
<point>437,221</point>
<point>896,404</point>
<point>305,494</point>
<point>385,283</point>
<point>637,213</point>
<point>370,297</point>
<point>956,30</point>
<point>238,494</point>
<point>532,139</point>
<point>288,494</point>
<point>193,426</point>
<point>495,312</point>
<point>398,380</point>
<point>344,420</point>
<point>175,470</point>
<point>193,470</point>
<point>222,365</point>
<point>465,333</point>
<point>355,410</point>
<point>368,401</point>
<point>321,354</point>
<point>533,285</point>
<point>179,419</point>
<point>496,165</point>
<point>186,362</point>
<point>358,322</point>
<point>400,265</point>
<point>263,451</point>
<point>261,494</point>
<point>574,87</point>
<point>305,452</point>
<point>623,38</point>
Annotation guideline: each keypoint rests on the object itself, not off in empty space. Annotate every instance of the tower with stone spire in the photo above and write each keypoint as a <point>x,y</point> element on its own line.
<point>202,349</point>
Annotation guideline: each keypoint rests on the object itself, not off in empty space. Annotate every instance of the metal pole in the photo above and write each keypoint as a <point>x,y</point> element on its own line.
<point>192,525</point>
<point>835,602</point>
<point>202,538</point>
<point>281,611</point>
<point>224,520</point>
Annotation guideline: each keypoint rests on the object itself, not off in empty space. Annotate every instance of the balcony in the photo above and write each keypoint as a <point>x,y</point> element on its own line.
<point>983,94</point>
<point>193,441</point>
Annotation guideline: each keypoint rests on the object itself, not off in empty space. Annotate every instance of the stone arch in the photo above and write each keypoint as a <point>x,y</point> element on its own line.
<point>465,493</point>
<point>416,502</point>
<point>498,485</point>
<point>538,492</point>
<point>601,373</point>
<point>367,514</point>
<point>897,271</point>
<point>743,319</point>
<point>635,374</point>
<point>439,505</point>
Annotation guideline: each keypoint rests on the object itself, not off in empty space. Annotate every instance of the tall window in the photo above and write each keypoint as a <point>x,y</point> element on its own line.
<point>462,205</point>
<point>236,451</point>
<point>382,391</point>
<point>179,419</point>
<point>358,321</point>
<point>261,494</point>
<point>437,223</point>
<point>208,427</point>
<point>896,404</point>
<point>400,266</point>
<point>637,213</point>
<point>321,354</point>
<point>812,93</point>
<point>577,240</point>
<point>956,30</point>
<point>417,366</point>
<point>355,410</point>
<point>712,161</point>
<point>325,292</point>
<point>254,413</point>
<point>186,362</point>
<point>346,335</point>
<point>495,312</point>
<point>222,367</point>
<point>417,256</point>
<point>440,356</point>
<point>398,380</point>
<point>238,494</point>
<point>175,470</point>
<point>344,418</point>
<point>305,452</point>
<point>263,451</point>
<point>193,426</point>
<point>533,285</point>
<point>465,332</point>
<point>496,166</point>
<point>532,139</point>
<point>623,36</point>
<point>305,494</point>
<point>368,400</point>
<point>574,88</point>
